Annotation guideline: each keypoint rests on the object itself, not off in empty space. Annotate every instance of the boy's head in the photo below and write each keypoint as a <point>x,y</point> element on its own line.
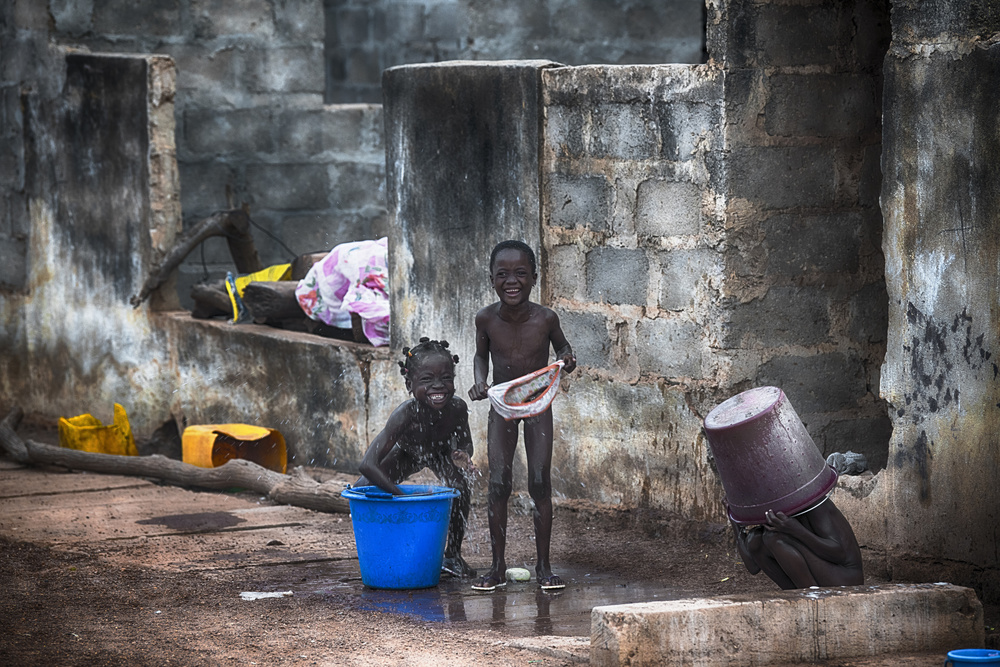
<point>429,370</point>
<point>514,245</point>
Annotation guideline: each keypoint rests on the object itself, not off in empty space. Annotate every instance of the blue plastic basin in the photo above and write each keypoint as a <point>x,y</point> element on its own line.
<point>400,539</point>
<point>968,656</point>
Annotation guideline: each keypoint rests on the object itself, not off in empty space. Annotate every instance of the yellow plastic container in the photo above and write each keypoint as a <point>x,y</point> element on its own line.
<point>211,445</point>
<point>86,433</point>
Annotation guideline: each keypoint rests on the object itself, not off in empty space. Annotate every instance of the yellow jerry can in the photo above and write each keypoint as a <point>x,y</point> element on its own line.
<point>211,445</point>
<point>86,433</point>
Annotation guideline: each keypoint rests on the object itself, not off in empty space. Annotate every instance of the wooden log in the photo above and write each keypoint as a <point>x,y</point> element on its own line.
<point>297,489</point>
<point>302,263</point>
<point>16,448</point>
<point>210,300</point>
<point>272,300</point>
<point>233,224</point>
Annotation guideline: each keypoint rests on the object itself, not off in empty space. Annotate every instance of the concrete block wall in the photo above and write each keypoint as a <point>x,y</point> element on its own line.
<point>251,123</point>
<point>631,224</point>
<point>804,290</point>
<point>363,37</point>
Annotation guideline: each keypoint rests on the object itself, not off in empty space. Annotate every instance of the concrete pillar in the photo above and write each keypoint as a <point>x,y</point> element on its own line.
<point>462,175</point>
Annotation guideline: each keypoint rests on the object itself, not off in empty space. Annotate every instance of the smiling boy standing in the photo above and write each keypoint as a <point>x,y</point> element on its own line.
<point>515,334</point>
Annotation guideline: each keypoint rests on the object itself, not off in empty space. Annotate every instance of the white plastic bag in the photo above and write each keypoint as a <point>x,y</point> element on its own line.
<point>528,395</point>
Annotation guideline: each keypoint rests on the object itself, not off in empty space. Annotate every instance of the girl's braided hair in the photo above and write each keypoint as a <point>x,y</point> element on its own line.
<point>426,347</point>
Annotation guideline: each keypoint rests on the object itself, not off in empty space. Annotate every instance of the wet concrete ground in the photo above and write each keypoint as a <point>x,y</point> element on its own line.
<point>519,609</point>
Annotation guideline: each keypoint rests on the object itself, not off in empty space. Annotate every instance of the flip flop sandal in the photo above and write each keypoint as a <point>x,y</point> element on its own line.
<point>481,585</point>
<point>547,584</point>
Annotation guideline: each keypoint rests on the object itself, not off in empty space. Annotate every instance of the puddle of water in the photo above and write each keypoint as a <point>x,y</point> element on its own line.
<point>521,609</point>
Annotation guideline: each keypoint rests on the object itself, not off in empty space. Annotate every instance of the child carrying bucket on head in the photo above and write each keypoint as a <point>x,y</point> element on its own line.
<point>515,334</point>
<point>430,430</point>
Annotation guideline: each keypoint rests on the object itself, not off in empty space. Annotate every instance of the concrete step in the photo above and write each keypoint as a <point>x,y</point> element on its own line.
<point>800,626</point>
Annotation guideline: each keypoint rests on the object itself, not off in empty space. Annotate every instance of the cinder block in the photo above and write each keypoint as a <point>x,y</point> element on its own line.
<point>301,21</point>
<point>814,105</point>
<point>669,348</point>
<point>251,18</point>
<point>870,314</point>
<point>667,208</point>
<point>563,132</point>
<point>789,627</point>
<point>287,70</point>
<point>790,35</point>
<point>682,125</point>
<point>352,25</point>
<point>355,185</point>
<point>205,70</point>
<point>870,176</point>
<point>680,273</point>
<point>242,132</point>
<point>288,186</point>
<point>579,201</point>
<point>783,177</point>
<point>564,273</point>
<point>203,187</point>
<point>126,17</point>
<point>404,22</point>
<point>587,333</point>
<point>354,129</point>
<point>363,65</point>
<point>442,22</point>
<point>784,316</point>
<point>818,383</point>
<point>617,275</point>
<point>623,131</point>
<point>71,18</point>
<point>798,244</point>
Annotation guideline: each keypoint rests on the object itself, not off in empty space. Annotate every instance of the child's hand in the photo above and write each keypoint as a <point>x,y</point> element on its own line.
<point>569,359</point>
<point>463,461</point>
<point>478,391</point>
<point>779,522</point>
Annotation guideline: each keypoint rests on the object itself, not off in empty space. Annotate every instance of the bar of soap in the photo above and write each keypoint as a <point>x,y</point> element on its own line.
<point>518,574</point>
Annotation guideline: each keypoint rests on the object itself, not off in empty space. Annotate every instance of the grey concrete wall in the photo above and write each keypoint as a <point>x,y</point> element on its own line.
<point>363,37</point>
<point>942,246</point>
<point>805,293</point>
<point>631,221</point>
<point>251,123</point>
<point>102,190</point>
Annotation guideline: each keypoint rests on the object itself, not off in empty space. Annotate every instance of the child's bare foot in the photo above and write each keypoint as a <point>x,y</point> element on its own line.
<point>490,582</point>
<point>551,583</point>
<point>457,567</point>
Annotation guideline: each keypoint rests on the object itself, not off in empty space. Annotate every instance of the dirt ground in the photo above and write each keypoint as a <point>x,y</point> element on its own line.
<point>68,607</point>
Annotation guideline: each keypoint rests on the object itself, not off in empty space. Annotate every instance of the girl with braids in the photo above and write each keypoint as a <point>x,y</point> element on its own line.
<point>430,430</point>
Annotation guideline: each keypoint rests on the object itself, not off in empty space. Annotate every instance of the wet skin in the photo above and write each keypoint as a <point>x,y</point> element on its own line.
<point>430,430</point>
<point>515,334</point>
<point>816,548</point>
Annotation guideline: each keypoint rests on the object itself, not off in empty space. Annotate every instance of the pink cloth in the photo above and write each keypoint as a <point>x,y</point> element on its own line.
<point>352,278</point>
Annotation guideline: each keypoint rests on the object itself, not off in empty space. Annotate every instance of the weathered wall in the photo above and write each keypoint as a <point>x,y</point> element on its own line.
<point>364,37</point>
<point>631,194</point>
<point>806,300</point>
<point>251,123</point>
<point>102,191</point>
<point>942,247</point>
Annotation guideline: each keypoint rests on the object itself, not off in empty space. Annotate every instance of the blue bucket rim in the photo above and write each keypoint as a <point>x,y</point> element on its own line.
<point>975,654</point>
<point>412,493</point>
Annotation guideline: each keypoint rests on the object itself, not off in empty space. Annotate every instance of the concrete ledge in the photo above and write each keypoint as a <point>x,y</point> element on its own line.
<point>788,626</point>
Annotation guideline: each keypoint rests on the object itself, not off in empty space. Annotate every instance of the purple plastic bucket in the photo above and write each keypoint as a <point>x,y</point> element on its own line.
<point>765,456</point>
